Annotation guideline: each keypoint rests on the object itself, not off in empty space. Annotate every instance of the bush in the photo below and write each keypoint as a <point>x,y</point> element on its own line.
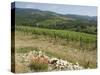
<point>39,64</point>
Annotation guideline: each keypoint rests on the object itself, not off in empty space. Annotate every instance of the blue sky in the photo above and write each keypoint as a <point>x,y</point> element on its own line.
<point>60,8</point>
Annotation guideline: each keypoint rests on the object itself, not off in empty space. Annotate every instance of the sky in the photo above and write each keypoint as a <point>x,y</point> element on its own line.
<point>60,8</point>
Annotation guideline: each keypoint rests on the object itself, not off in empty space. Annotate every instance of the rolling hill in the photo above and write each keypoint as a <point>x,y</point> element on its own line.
<point>52,20</point>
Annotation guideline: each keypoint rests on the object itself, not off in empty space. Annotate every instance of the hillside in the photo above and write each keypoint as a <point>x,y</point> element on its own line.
<point>52,20</point>
<point>47,41</point>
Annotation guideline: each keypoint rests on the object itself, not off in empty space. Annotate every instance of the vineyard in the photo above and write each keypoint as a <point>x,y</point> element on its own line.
<point>59,45</point>
<point>50,41</point>
<point>84,40</point>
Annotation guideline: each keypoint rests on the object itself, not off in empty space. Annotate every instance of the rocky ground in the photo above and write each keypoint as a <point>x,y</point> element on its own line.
<point>38,61</point>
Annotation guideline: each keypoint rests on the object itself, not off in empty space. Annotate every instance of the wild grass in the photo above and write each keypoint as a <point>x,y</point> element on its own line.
<point>21,68</point>
<point>86,58</point>
<point>85,40</point>
<point>25,49</point>
<point>26,41</point>
<point>38,65</point>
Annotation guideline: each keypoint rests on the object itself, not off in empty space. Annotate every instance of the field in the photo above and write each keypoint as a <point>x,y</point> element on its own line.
<point>50,39</point>
<point>35,49</point>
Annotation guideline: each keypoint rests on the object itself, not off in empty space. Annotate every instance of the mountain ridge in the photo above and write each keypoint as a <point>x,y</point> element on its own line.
<point>52,20</point>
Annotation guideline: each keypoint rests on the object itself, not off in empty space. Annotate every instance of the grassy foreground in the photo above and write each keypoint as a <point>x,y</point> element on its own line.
<point>71,46</point>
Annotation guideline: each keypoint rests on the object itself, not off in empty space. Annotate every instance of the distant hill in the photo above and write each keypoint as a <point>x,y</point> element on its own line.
<point>52,20</point>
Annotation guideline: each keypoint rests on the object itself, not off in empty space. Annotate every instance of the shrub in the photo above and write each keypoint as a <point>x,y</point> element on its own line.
<point>39,64</point>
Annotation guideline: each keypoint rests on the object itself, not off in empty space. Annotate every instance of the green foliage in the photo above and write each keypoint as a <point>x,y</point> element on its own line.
<point>26,49</point>
<point>51,20</point>
<point>38,65</point>
<point>83,38</point>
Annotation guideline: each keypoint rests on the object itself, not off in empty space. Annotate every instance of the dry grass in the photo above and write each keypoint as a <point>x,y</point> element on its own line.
<point>66,52</point>
<point>21,68</point>
<point>39,64</point>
